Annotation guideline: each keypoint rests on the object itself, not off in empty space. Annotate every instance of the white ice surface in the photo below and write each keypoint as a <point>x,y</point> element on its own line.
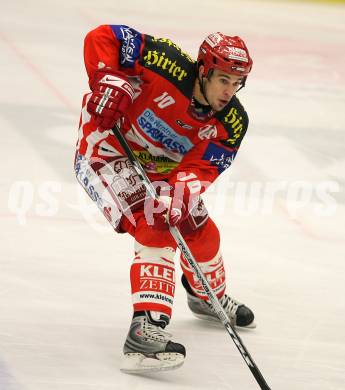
<point>65,301</point>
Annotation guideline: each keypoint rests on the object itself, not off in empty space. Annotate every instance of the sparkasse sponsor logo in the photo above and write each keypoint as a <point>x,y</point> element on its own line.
<point>159,131</point>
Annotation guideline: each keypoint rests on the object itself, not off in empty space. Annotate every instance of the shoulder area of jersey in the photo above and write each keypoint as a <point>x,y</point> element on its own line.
<point>165,58</point>
<point>235,120</point>
<point>167,45</point>
<point>233,106</point>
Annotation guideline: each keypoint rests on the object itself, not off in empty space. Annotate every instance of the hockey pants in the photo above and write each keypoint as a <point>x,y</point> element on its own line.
<point>152,271</point>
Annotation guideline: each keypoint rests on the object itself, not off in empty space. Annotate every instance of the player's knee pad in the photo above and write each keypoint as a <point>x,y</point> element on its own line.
<point>214,272</point>
<point>153,279</point>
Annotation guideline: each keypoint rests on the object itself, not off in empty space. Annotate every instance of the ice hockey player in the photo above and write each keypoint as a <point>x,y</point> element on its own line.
<point>185,124</point>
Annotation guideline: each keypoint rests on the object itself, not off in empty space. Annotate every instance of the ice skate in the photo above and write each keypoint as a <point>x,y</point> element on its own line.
<point>148,347</point>
<point>239,314</point>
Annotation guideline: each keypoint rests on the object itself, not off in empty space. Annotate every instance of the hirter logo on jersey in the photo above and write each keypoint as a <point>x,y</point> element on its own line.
<point>234,119</point>
<point>161,61</point>
<point>159,131</point>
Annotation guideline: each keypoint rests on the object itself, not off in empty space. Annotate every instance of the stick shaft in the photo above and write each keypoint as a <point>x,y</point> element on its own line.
<point>182,245</point>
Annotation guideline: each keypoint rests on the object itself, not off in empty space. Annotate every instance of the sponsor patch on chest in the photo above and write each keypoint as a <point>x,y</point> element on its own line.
<point>159,131</point>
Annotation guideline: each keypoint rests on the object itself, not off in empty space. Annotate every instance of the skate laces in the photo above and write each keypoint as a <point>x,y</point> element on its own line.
<point>155,332</point>
<point>229,304</point>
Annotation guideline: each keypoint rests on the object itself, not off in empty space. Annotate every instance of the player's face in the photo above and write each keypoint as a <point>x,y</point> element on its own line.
<point>221,87</point>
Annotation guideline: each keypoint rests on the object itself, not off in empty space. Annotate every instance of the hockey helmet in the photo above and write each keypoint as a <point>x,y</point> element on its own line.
<point>229,54</point>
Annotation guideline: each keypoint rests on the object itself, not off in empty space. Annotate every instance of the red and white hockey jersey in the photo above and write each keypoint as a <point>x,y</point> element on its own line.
<point>167,134</point>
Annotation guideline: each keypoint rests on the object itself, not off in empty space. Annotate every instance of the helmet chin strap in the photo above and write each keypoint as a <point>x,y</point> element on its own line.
<point>200,110</point>
<point>243,84</point>
<point>202,88</point>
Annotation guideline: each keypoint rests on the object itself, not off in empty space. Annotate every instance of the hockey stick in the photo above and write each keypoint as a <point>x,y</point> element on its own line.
<point>217,307</point>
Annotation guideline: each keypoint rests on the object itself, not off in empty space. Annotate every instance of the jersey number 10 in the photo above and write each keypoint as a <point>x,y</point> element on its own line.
<point>164,100</point>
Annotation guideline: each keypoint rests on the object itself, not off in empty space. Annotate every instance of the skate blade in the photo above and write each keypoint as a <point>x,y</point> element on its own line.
<point>217,321</point>
<point>137,363</point>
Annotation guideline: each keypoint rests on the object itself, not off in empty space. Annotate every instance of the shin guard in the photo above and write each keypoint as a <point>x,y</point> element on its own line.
<point>214,272</point>
<point>153,279</point>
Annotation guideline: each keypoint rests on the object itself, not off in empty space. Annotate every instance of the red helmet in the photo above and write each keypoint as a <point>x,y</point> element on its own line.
<point>229,54</point>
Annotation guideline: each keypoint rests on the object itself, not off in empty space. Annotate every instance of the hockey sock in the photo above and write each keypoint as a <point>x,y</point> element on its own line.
<point>153,279</point>
<point>214,272</point>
